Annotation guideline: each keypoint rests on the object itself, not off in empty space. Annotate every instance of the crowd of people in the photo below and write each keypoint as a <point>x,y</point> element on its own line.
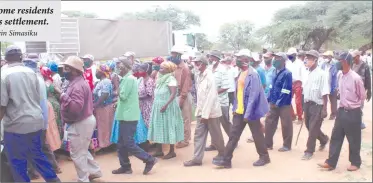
<point>135,107</point>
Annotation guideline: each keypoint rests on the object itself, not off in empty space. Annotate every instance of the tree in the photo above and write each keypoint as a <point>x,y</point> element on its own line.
<point>237,35</point>
<point>180,19</point>
<point>78,14</point>
<point>202,42</point>
<point>311,25</point>
<point>3,46</point>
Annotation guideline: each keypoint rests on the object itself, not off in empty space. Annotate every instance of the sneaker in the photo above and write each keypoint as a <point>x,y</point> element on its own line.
<point>149,166</point>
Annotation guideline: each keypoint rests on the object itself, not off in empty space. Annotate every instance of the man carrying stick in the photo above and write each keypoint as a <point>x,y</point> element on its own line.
<point>316,90</point>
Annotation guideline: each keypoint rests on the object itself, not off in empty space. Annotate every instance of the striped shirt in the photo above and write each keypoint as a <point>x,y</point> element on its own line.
<point>221,82</point>
<point>316,86</point>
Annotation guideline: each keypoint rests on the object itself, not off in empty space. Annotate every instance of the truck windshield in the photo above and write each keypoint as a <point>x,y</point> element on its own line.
<point>190,39</point>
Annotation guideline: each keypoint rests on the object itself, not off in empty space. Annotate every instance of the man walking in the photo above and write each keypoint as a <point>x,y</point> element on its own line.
<point>280,104</point>
<point>128,114</point>
<point>77,111</point>
<point>329,67</point>
<point>222,83</point>
<point>363,70</point>
<point>348,120</point>
<point>297,70</point>
<point>250,105</point>
<point>316,90</point>
<point>208,112</point>
<point>22,119</point>
<point>184,86</point>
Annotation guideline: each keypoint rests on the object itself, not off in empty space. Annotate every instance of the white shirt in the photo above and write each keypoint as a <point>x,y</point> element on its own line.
<point>232,74</point>
<point>316,86</point>
<point>298,71</point>
<point>289,65</point>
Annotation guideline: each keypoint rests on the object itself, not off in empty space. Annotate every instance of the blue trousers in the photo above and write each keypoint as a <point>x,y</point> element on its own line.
<point>126,144</point>
<point>22,147</point>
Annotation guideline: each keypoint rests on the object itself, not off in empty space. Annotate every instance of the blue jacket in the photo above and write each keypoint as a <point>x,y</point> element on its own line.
<point>280,92</point>
<point>255,102</point>
<point>332,74</point>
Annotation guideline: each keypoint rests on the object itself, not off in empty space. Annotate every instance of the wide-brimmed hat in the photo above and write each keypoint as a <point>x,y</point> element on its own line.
<point>292,51</point>
<point>244,52</point>
<point>328,53</point>
<point>200,59</point>
<point>355,53</point>
<point>313,53</point>
<point>216,53</point>
<point>74,62</point>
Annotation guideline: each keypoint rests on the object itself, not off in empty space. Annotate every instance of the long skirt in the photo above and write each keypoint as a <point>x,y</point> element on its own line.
<point>165,127</point>
<point>140,135</point>
<point>104,117</point>
<point>52,133</point>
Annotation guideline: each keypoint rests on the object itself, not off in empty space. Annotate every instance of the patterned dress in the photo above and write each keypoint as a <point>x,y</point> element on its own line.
<point>166,127</point>
<point>104,113</point>
<point>146,94</point>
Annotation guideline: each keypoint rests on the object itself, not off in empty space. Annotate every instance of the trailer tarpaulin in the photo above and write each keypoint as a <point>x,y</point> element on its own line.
<point>106,39</point>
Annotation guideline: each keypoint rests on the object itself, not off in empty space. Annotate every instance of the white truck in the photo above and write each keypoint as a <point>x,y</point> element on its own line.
<point>106,39</point>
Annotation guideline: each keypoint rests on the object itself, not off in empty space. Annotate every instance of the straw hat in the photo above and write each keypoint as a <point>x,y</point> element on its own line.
<point>74,62</point>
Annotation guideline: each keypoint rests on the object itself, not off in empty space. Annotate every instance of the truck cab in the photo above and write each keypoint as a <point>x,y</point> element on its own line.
<point>186,39</point>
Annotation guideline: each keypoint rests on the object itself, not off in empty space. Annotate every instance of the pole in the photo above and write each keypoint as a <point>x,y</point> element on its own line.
<point>300,129</point>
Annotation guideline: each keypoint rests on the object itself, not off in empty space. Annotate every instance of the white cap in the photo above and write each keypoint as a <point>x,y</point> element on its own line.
<point>129,53</point>
<point>292,51</point>
<point>89,56</point>
<point>255,56</point>
<point>177,49</point>
<point>244,52</point>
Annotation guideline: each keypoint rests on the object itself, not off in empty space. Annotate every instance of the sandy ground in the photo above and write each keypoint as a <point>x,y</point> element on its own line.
<point>286,166</point>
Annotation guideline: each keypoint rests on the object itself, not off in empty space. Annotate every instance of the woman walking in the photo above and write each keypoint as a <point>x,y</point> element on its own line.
<point>156,62</point>
<point>166,126</point>
<point>103,106</point>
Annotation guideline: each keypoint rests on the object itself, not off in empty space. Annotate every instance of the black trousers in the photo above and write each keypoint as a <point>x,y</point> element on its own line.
<point>347,123</point>
<point>271,123</point>
<point>231,98</point>
<point>313,122</point>
<point>236,131</point>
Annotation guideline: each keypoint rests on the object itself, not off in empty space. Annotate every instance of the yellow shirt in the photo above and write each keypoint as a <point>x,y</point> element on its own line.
<point>240,87</point>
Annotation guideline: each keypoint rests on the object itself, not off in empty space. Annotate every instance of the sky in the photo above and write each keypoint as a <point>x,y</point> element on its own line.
<point>212,13</point>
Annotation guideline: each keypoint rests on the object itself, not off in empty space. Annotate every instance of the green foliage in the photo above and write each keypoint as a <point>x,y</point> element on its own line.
<point>3,46</point>
<point>237,35</point>
<point>79,14</point>
<point>180,19</point>
<point>310,25</point>
<point>202,42</point>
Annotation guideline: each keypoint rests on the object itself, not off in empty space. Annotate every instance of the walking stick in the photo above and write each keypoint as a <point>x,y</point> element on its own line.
<point>300,129</point>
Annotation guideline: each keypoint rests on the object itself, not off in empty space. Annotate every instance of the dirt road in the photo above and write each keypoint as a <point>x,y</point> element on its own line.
<point>286,166</point>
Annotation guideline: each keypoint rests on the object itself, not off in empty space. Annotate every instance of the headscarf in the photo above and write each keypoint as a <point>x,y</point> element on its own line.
<point>46,73</point>
<point>136,67</point>
<point>104,69</point>
<point>158,60</point>
<point>111,64</point>
<point>145,67</point>
<point>53,66</point>
<point>169,66</point>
